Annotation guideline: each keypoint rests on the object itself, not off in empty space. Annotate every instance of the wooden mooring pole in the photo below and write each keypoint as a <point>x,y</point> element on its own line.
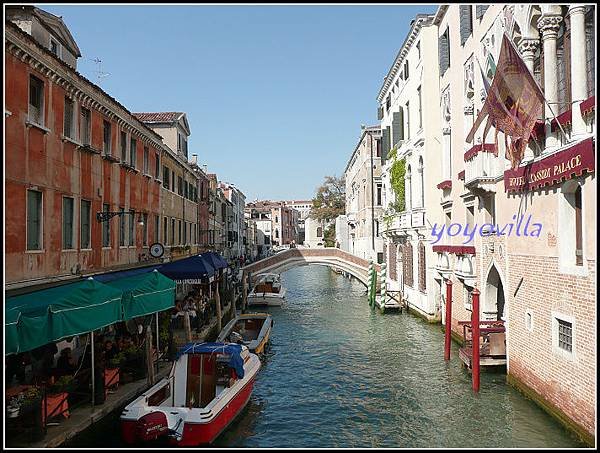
<point>475,339</point>
<point>448,331</point>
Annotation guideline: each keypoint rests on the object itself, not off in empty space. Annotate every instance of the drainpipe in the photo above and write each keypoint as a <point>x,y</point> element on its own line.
<point>448,336</point>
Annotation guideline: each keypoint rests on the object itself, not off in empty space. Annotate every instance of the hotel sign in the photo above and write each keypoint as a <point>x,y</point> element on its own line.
<point>559,167</point>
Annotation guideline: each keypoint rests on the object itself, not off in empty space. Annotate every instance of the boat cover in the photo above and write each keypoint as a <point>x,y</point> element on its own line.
<point>234,350</point>
<point>215,260</point>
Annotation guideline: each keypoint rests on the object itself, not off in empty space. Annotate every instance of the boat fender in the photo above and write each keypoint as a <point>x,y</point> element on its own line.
<point>151,426</point>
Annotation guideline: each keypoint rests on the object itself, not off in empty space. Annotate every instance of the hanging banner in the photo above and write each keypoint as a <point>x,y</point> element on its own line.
<point>552,170</point>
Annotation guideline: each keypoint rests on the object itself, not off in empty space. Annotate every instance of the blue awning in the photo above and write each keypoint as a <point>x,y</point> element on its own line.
<point>236,362</point>
<point>194,269</point>
<point>215,260</point>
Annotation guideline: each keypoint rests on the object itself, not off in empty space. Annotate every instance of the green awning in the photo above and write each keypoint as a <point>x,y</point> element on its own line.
<point>35,319</point>
<point>145,294</point>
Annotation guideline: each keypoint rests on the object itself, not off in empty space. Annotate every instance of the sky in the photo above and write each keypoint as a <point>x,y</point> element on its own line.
<point>274,95</point>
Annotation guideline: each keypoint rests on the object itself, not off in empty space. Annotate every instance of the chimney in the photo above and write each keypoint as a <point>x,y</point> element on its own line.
<point>194,160</point>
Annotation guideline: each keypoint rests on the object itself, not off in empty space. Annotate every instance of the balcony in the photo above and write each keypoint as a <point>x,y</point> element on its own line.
<point>483,167</point>
<point>464,269</point>
<point>443,264</point>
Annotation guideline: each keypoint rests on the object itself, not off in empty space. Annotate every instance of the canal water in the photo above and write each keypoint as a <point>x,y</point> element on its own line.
<point>339,374</point>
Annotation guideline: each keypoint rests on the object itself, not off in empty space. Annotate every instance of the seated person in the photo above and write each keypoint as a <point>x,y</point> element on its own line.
<point>66,363</point>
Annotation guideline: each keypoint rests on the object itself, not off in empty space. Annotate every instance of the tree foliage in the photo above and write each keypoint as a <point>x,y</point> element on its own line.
<point>397,172</point>
<point>330,200</point>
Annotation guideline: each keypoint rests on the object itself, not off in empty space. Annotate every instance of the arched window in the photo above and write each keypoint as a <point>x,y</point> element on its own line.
<point>319,232</point>
<point>422,268</point>
<point>408,194</point>
<point>421,182</point>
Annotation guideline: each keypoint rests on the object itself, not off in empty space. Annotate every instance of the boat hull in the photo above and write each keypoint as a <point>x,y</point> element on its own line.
<point>256,346</point>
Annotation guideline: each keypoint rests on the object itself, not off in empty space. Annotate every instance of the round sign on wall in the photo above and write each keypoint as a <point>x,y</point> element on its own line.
<point>157,250</point>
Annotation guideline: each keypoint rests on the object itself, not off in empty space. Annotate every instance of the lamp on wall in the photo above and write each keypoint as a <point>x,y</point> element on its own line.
<point>104,216</point>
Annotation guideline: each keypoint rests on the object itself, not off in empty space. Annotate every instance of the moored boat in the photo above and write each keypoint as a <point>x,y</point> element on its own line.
<point>208,386</point>
<point>251,330</point>
<point>267,291</point>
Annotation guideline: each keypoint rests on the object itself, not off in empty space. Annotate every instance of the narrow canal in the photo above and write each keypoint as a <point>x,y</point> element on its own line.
<point>339,374</point>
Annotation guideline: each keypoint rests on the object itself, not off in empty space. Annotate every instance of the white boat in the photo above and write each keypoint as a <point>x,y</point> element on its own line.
<point>250,329</point>
<point>209,385</point>
<point>267,291</point>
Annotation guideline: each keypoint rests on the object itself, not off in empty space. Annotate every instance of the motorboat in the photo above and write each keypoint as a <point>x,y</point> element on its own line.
<point>267,291</point>
<point>208,386</point>
<point>251,330</point>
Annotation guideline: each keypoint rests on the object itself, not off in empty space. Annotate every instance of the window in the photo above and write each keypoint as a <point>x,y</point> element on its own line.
<point>406,70</point>
<point>122,227</point>
<point>378,153</point>
<point>34,220</point>
<point>156,228</point>
<point>54,47</point>
<point>173,179</point>
<point>67,223</point>
<point>157,166</point>
<point>179,185</point>
<point>448,219</point>
<point>578,228</point>
<point>388,103</point>
<point>185,233</point>
<point>408,194</point>
<point>422,268</point>
<point>145,229</point>
<point>489,205</point>
<point>146,157</point>
<point>319,232</point>
<point>85,223</point>
<point>407,266</point>
<point>165,237</point>
<point>419,50</point>
<point>36,100</point>
<point>421,182</point>
<point>466,22</point>
<point>107,138</point>
<point>408,121</point>
<point>186,191</point>
<point>106,228</point>
<point>444,51</point>
<point>470,215</point>
<point>565,335</point>
<point>131,227</point>
<point>179,236</point>
<point>377,228</point>
<point>166,174</point>
<point>378,194</point>
<point>86,126</point>
<point>420,108</point>
<point>133,152</point>
<point>68,123</point>
<point>172,242</point>
<point>480,10</point>
<point>123,146</point>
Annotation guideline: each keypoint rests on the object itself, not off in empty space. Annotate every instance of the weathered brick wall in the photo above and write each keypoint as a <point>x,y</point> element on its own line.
<point>567,384</point>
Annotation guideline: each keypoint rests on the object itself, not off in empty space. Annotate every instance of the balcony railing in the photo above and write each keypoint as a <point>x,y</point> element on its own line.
<point>483,167</point>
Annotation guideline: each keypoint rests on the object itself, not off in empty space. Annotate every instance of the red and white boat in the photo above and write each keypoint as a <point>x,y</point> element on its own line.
<point>209,385</point>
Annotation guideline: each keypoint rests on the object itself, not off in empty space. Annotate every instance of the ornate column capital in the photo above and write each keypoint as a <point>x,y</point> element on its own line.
<point>577,9</point>
<point>528,45</point>
<point>549,26</point>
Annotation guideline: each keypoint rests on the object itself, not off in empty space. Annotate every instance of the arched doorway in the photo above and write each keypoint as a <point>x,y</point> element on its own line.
<point>493,306</point>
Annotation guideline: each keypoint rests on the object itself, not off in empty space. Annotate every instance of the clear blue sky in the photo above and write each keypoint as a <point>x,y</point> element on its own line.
<point>275,95</point>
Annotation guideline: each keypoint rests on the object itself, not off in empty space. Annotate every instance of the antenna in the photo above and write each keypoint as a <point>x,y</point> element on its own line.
<point>99,73</point>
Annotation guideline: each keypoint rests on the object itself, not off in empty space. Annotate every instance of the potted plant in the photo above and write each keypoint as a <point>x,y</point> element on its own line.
<point>117,361</point>
<point>63,384</point>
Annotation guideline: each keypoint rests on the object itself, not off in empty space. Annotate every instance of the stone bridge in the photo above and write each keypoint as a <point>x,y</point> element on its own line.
<point>332,257</point>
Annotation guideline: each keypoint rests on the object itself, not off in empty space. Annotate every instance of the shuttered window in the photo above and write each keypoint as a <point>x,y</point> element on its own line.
<point>379,112</point>
<point>392,262</point>
<point>480,10</point>
<point>131,227</point>
<point>68,123</point>
<point>406,73</point>
<point>85,218</point>
<point>133,152</point>
<point>67,223</point>
<point>86,125</point>
<point>444,51</point>
<point>106,228</point>
<point>466,22</point>
<point>123,146</point>
<point>122,227</point>
<point>146,160</point>
<point>420,108</point>
<point>106,138</point>
<point>156,228</point>
<point>422,268</point>
<point>156,166</point>
<point>408,121</point>
<point>407,265</point>
<point>34,220</point>
<point>166,174</point>
<point>578,229</point>
<point>145,230</point>
<point>398,127</point>
<point>36,100</point>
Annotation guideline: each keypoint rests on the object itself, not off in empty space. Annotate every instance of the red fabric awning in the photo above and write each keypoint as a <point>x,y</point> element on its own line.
<point>564,118</point>
<point>480,148</point>
<point>573,161</point>
<point>445,185</point>
<point>456,249</point>
<point>587,106</point>
<point>461,175</point>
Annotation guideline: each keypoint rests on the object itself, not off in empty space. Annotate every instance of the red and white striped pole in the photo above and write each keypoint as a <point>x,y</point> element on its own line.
<point>475,335</point>
<point>448,337</point>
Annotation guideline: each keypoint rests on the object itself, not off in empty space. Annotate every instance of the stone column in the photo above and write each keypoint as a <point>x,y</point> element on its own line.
<point>528,48</point>
<point>549,25</point>
<point>578,66</point>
